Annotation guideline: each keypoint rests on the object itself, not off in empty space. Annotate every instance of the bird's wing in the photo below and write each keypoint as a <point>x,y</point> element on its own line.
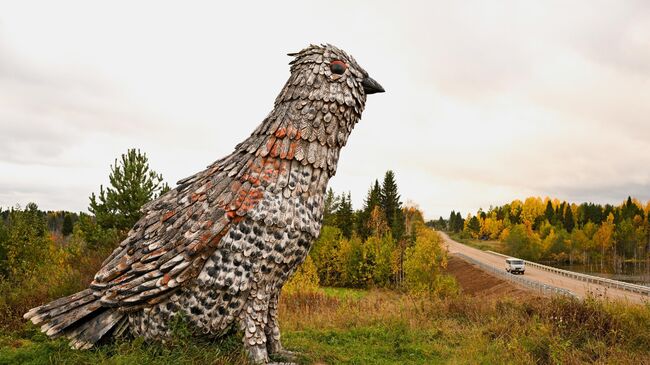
<point>170,244</point>
<point>179,231</point>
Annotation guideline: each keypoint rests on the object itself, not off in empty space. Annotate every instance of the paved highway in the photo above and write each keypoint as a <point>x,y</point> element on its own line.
<point>580,288</point>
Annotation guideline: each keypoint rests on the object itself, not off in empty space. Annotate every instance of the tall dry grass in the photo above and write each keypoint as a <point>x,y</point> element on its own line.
<point>69,268</point>
<point>533,330</point>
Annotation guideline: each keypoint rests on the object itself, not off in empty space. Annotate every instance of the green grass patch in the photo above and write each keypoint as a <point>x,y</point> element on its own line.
<point>485,245</point>
<point>381,344</point>
<point>344,293</point>
<point>32,347</point>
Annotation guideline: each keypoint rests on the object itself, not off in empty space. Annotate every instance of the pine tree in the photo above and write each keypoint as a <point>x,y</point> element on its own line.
<point>331,204</point>
<point>374,196</point>
<point>549,213</point>
<point>67,224</point>
<point>474,226</point>
<point>373,199</point>
<point>629,210</point>
<point>456,222</point>
<point>389,196</point>
<point>133,184</point>
<point>441,224</point>
<point>460,222</point>
<point>559,214</point>
<point>398,228</point>
<point>569,223</point>
<point>452,221</point>
<point>391,205</point>
<point>344,215</point>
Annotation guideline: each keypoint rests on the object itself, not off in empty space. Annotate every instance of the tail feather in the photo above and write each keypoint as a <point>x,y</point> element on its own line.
<point>80,317</point>
<point>88,333</point>
<point>56,325</point>
<point>40,314</point>
<point>121,327</point>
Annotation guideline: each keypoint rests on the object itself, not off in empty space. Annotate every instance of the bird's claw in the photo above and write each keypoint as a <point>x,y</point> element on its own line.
<point>290,355</point>
<point>286,356</point>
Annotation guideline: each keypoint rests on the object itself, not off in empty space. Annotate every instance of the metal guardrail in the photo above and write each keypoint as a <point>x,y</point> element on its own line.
<point>536,285</point>
<point>634,288</point>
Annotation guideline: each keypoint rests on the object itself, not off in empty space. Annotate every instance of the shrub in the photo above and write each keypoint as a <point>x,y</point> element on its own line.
<point>305,279</point>
<point>424,263</point>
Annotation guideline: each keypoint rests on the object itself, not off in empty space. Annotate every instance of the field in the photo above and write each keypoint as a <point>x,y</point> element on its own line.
<point>485,245</point>
<point>489,323</point>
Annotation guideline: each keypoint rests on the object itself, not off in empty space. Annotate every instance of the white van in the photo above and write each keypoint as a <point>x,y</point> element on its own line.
<point>515,266</point>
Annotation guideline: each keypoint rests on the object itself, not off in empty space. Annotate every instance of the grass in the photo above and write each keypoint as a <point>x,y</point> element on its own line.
<point>485,245</point>
<point>33,347</point>
<point>344,293</point>
<point>386,327</point>
<point>344,326</point>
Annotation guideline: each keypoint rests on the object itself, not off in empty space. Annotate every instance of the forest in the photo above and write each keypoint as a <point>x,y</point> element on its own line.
<point>46,254</point>
<point>603,236</point>
<point>374,288</point>
<point>381,245</point>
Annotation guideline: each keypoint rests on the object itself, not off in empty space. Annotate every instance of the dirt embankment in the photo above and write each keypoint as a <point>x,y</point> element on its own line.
<point>476,282</point>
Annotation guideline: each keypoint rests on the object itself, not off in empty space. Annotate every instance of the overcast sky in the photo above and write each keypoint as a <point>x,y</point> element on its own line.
<point>485,101</point>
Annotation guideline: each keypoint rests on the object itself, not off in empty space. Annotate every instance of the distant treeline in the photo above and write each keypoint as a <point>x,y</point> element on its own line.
<point>56,221</point>
<point>549,229</point>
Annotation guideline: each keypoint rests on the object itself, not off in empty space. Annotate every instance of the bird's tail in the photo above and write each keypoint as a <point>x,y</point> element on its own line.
<point>80,317</point>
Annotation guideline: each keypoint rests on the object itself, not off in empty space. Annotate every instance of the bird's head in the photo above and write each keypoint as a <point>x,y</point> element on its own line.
<point>327,73</point>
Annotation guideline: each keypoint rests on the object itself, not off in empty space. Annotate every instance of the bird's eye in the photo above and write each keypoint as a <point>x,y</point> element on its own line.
<point>338,67</point>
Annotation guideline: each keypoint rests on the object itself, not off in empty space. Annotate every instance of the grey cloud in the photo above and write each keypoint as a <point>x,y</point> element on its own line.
<point>619,37</point>
<point>43,112</point>
<point>603,193</point>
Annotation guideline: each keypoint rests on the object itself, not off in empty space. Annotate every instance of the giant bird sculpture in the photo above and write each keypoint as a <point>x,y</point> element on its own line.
<point>219,247</point>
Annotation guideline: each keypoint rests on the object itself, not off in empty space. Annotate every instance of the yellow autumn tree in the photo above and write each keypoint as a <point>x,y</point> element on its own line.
<point>326,254</point>
<point>305,279</point>
<point>377,222</point>
<point>378,251</point>
<point>491,227</point>
<point>533,207</point>
<point>604,237</point>
<point>516,207</point>
<point>424,263</point>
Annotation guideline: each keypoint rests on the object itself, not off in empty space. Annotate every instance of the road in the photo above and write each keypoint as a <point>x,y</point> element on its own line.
<point>580,288</point>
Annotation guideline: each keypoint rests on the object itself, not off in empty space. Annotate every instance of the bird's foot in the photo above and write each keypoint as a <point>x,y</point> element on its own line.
<point>260,356</point>
<point>276,350</point>
<point>285,354</point>
<point>283,357</point>
<point>257,354</point>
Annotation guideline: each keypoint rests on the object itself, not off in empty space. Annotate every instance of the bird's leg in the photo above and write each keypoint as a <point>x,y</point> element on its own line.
<point>272,329</point>
<point>253,322</point>
<point>273,344</point>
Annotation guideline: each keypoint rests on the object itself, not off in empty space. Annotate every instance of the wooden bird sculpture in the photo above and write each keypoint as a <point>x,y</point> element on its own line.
<point>218,248</point>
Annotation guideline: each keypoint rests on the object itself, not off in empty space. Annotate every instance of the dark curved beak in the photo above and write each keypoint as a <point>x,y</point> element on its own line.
<point>371,86</point>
